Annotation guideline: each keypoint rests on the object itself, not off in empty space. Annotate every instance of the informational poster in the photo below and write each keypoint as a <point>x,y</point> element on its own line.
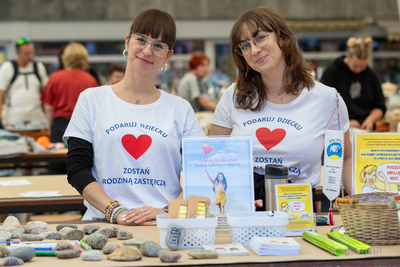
<point>296,201</point>
<point>376,162</point>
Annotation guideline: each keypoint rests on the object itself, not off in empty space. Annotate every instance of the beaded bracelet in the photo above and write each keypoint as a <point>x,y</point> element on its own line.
<point>110,204</point>
<point>115,214</point>
<point>111,209</point>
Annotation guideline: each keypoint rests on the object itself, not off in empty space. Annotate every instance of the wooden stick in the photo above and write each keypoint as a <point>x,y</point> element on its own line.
<point>346,200</point>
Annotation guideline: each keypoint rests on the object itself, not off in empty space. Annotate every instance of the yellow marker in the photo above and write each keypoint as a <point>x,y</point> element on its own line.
<point>182,212</point>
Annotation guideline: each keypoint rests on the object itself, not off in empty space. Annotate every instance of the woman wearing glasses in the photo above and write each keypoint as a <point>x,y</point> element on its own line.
<point>276,101</point>
<point>125,139</point>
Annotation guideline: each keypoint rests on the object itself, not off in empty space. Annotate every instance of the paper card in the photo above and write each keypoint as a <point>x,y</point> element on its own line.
<point>220,168</point>
<point>41,194</point>
<point>15,182</point>
<point>376,162</point>
<point>228,249</point>
<point>296,201</point>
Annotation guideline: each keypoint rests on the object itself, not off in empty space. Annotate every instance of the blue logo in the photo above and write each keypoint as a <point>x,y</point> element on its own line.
<point>334,151</point>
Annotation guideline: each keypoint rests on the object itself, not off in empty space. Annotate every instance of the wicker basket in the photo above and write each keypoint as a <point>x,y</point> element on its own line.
<point>372,223</point>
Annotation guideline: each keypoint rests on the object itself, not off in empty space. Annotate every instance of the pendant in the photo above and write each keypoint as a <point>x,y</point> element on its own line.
<point>137,102</point>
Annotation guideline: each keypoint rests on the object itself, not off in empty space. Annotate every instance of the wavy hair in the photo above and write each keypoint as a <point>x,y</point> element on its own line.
<point>250,92</point>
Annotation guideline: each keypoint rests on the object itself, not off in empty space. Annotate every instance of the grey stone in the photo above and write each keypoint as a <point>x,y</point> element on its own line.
<point>150,249</point>
<point>92,255</point>
<point>61,226</point>
<point>175,235</point>
<point>63,245</point>
<point>11,222</point>
<point>40,224</point>
<point>203,254</point>
<point>96,240</point>
<point>65,231</point>
<point>169,256</point>
<point>53,235</point>
<point>16,232</point>
<point>109,248</point>
<point>6,235</point>
<point>125,253</point>
<point>12,261</point>
<point>75,235</point>
<point>24,253</point>
<point>37,230</point>
<point>27,229</point>
<point>108,231</point>
<point>30,237</point>
<point>133,242</point>
<point>124,234</point>
<point>68,253</point>
<point>90,229</point>
<point>3,251</point>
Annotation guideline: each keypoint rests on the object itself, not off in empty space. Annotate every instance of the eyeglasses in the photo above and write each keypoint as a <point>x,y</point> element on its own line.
<point>140,41</point>
<point>23,40</point>
<point>260,40</point>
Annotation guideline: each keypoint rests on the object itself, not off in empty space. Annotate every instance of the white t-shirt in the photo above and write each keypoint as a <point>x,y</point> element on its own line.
<point>288,134</point>
<point>23,98</point>
<point>137,148</point>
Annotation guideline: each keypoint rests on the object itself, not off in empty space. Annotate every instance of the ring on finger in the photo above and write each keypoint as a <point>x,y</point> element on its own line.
<point>141,210</point>
<point>146,212</point>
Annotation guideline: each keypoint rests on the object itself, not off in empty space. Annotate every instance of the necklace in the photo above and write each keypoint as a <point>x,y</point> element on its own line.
<point>137,98</point>
<point>280,98</point>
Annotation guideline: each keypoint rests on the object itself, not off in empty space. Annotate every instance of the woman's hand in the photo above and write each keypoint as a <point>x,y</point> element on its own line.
<point>355,124</point>
<point>145,215</point>
<point>258,203</point>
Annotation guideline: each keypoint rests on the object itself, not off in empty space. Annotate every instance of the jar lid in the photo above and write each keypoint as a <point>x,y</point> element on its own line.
<point>276,169</point>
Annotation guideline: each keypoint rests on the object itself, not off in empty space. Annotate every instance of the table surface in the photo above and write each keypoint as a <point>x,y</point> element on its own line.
<point>59,155</point>
<point>310,255</point>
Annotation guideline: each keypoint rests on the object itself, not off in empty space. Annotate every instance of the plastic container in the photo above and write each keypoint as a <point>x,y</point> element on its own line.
<point>244,225</point>
<point>199,232</point>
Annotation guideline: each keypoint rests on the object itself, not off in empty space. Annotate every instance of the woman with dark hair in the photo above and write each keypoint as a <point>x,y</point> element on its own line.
<point>219,189</point>
<point>125,139</point>
<point>276,101</point>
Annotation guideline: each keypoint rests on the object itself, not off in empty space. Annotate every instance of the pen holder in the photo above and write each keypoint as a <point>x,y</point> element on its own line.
<point>244,225</point>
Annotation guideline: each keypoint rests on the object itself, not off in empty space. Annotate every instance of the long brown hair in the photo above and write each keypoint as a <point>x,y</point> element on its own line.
<point>250,92</point>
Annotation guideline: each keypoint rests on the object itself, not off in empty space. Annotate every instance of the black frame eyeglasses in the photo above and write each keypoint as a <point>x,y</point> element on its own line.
<point>260,40</point>
<point>158,48</point>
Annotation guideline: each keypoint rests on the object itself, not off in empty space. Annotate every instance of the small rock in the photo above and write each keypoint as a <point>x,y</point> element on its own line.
<point>175,235</point>
<point>1,262</point>
<point>65,231</point>
<point>11,222</point>
<point>16,232</point>
<point>90,229</point>
<point>3,251</point>
<point>30,237</point>
<point>27,229</point>
<point>53,235</point>
<point>63,245</point>
<point>108,231</point>
<point>107,249</point>
<point>92,255</point>
<point>124,234</point>
<point>96,240</point>
<point>125,253</point>
<point>40,224</point>
<point>203,254</point>
<point>75,235</point>
<point>68,253</point>
<point>6,235</point>
<point>12,261</point>
<point>169,256</point>
<point>133,242</point>
<point>37,230</point>
<point>24,253</point>
<point>150,249</point>
<point>61,226</point>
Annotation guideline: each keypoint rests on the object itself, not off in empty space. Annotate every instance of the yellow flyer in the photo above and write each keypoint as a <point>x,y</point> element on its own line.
<point>296,201</point>
<point>376,162</point>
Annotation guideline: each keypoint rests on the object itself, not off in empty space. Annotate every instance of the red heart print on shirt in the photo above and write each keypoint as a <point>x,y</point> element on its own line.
<point>269,138</point>
<point>136,147</point>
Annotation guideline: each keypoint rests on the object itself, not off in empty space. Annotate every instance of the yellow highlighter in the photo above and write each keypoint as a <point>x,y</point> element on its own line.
<point>182,212</point>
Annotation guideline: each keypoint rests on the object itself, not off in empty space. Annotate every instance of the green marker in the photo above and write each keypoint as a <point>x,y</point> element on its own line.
<point>45,253</point>
<point>85,245</point>
<point>352,243</point>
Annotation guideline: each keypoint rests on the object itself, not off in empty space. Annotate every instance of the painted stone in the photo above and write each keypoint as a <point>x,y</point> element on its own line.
<point>175,235</point>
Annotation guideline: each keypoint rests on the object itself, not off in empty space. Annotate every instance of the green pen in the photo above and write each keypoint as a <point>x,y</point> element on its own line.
<point>85,245</point>
<point>45,252</point>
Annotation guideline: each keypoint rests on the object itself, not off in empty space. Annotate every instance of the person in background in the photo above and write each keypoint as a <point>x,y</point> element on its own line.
<point>125,140</point>
<point>276,101</point>
<point>21,82</point>
<point>358,84</point>
<point>193,88</point>
<point>116,73</point>
<point>62,92</point>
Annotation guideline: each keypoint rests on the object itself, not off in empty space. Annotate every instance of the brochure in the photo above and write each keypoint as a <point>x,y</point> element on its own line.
<point>274,246</point>
<point>296,201</point>
<point>376,162</point>
<point>228,249</point>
